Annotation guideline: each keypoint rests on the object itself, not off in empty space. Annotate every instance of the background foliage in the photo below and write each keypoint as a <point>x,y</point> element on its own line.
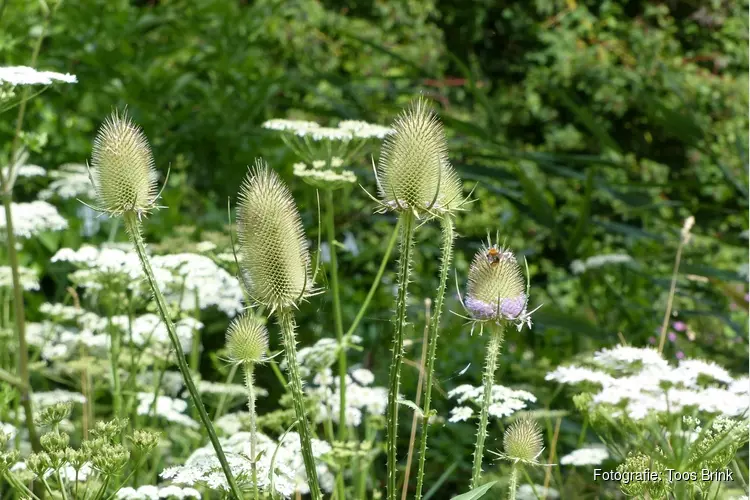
<point>588,127</point>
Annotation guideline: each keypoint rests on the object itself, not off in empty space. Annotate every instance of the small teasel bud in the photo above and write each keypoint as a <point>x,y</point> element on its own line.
<point>497,288</point>
<point>247,340</point>
<point>122,168</point>
<point>522,441</point>
<point>275,255</point>
<point>38,463</point>
<point>54,441</point>
<point>53,415</point>
<point>111,459</point>
<point>144,441</point>
<point>414,172</point>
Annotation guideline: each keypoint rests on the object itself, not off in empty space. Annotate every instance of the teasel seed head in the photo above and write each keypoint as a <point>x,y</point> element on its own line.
<point>247,340</point>
<point>522,442</point>
<point>122,168</point>
<point>497,289</point>
<point>414,172</point>
<point>274,251</point>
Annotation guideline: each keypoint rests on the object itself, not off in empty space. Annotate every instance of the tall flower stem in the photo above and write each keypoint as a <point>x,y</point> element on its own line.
<point>114,354</point>
<point>513,482</point>
<point>285,319</point>
<point>337,318</point>
<point>407,244</point>
<point>493,351</point>
<point>133,229</point>
<point>446,259</point>
<point>250,386</point>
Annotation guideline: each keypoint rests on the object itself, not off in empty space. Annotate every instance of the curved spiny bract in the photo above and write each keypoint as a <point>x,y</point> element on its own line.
<point>274,251</point>
<point>122,168</point>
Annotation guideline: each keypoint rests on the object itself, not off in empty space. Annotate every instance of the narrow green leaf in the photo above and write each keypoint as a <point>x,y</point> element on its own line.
<point>476,493</point>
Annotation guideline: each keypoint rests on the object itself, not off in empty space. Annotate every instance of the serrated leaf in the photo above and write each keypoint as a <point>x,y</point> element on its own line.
<point>476,493</point>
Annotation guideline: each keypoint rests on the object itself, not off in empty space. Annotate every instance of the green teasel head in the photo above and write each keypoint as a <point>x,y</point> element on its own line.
<point>414,172</point>
<point>275,258</point>
<point>247,340</point>
<point>122,168</point>
<point>522,442</point>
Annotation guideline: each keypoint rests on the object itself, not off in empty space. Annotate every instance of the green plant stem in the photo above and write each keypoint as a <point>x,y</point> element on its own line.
<point>376,281</point>
<point>250,386</point>
<point>337,318</point>
<point>446,259</point>
<point>513,482</point>
<point>407,243</point>
<point>114,354</point>
<point>493,351</point>
<point>223,399</point>
<point>19,314</point>
<point>134,231</point>
<point>285,319</point>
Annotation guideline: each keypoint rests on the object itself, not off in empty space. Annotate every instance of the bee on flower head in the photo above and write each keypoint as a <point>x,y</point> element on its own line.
<point>495,255</point>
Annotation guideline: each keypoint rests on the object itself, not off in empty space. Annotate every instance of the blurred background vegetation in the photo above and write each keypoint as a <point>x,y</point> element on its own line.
<point>588,127</point>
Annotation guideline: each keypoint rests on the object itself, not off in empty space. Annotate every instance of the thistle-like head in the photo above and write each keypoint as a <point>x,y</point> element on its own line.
<point>122,168</point>
<point>247,340</point>
<point>414,172</point>
<point>274,252</point>
<point>522,442</point>
<point>497,289</point>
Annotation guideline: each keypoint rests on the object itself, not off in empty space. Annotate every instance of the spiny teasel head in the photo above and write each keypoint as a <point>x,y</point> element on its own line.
<point>414,172</point>
<point>522,441</point>
<point>497,289</point>
<point>247,340</point>
<point>122,168</point>
<point>273,248</point>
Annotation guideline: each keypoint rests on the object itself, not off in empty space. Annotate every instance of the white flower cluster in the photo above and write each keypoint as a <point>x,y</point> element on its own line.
<point>9,430</point>
<point>319,174</point>
<point>190,280</point>
<point>360,397</point>
<point>581,266</point>
<point>287,475</point>
<point>26,171</point>
<point>346,130</point>
<point>149,492</point>
<point>504,402</point>
<point>27,277</point>
<point>535,492</point>
<point>71,180</point>
<point>641,382</point>
<point>588,455</point>
<point>208,387</point>
<point>31,219</point>
<point>167,408</point>
<point>23,75</point>
<point>49,398</point>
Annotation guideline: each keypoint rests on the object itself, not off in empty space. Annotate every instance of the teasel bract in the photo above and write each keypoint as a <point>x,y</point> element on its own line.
<point>247,345</point>
<point>275,262</point>
<point>522,445</point>
<point>415,179</point>
<point>124,178</point>
<point>497,295</point>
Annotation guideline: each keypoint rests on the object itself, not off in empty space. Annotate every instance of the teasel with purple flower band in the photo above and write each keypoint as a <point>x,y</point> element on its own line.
<point>497,296</point>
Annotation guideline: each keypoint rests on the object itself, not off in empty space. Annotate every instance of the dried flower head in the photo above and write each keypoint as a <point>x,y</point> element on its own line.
<point>522,441</point>
<point>247,340</point>
<point>497,289</point>
<point>122,168</point>
<point>274,251</point>
<point>414,172</point>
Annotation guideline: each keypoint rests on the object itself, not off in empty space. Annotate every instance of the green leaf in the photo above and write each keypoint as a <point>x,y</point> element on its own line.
<point>541,208</point>
<point>412,406</point>
<point>476,493</point>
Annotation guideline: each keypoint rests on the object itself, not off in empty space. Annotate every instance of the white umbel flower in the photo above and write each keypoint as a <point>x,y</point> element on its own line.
<point>31,219</point>
<point>588,455</point>
<point>23,75</point>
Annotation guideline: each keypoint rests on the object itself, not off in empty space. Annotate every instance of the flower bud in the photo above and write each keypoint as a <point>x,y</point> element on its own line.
<point>523,441</point>
<point>54,441</point>
<point>247,339</point>
<point>144,441</point>
<point>414,172</point>
<point>54,414</point>
<point>122,168</point>
<point>274,251</point>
